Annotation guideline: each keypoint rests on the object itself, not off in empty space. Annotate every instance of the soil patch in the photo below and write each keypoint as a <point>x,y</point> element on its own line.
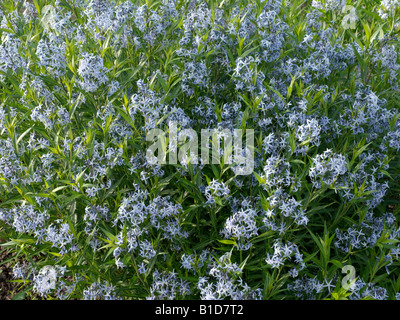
<point>7,289</point>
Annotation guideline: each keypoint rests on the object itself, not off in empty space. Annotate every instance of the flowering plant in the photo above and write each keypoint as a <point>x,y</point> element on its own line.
<point>90,216</point>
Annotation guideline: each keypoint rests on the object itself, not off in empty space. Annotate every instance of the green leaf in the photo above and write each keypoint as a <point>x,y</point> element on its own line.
<point>230,242</point>
<point>19,296</point>
<point>126,117</point>
<point>337,263</point>
<point>112,188</point>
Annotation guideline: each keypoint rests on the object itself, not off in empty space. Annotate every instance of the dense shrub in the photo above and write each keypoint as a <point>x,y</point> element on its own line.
<point>89,216</point>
